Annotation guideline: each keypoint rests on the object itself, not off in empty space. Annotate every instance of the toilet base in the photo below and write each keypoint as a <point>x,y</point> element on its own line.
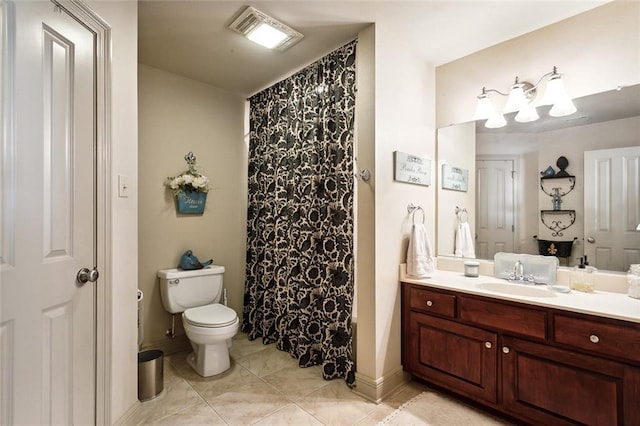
<point>209,360</point>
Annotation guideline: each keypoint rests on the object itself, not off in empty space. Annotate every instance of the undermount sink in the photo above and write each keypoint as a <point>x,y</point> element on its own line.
<point>517,289</point>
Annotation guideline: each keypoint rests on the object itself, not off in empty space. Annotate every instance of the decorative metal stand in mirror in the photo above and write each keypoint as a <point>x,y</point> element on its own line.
<point>411,169</point>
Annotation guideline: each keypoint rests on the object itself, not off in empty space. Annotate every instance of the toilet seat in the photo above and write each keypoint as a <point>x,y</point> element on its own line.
<point>210,316</point>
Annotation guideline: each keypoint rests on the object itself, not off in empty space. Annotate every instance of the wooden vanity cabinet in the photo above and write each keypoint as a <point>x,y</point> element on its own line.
<point>554,386</point>
<point>454,355</point>
<point>533,363</point>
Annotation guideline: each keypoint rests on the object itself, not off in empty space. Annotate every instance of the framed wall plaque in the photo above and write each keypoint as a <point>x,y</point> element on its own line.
<point>411,169</point>
<point>455,178</point>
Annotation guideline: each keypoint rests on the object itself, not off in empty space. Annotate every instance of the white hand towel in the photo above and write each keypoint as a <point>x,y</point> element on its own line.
<point>419,255</point>
<point>464,242</point>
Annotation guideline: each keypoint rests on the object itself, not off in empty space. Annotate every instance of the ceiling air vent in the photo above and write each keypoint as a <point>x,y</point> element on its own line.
<point>265,30</point>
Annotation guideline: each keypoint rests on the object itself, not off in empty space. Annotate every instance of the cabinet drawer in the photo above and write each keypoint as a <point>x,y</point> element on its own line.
<point>500,316</point>
<point>432,302</point>
<point>610,339</point>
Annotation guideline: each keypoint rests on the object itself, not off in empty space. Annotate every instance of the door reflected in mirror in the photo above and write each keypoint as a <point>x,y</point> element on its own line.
<point>505,200</point>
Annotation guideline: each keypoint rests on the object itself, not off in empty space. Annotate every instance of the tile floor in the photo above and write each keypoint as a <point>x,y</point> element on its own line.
<point>265,386</point>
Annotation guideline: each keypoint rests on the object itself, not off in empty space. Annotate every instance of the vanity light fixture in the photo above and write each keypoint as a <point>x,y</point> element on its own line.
<point>521,98</point>
<point>265,30</point>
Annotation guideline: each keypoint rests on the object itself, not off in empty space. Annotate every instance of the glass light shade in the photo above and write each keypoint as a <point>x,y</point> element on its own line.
<point>527,114</point>
<point>560,109</point>
<point>516,99</point>
<point>555,91</point>
<point>495,121</point>
<point>267,36</point>
<point>484,108</point>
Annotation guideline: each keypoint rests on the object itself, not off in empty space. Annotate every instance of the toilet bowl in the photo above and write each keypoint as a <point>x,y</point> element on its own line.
<point>210,329</point>
<point>209,325</point>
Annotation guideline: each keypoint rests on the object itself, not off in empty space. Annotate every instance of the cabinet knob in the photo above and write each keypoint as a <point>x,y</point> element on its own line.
<point>487,345</point>
<point>429,303</point>
<point>594,339</point>
<point>505,349</point>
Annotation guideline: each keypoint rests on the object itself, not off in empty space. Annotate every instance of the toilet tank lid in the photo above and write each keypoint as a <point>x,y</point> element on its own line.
<point>170,274</point>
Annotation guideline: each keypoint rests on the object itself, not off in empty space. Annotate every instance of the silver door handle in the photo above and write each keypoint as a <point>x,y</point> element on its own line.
<point>591,240</point>
<point>85,275</point>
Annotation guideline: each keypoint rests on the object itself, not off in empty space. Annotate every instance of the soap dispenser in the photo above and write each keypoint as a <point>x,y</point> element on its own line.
<point>582,277</point>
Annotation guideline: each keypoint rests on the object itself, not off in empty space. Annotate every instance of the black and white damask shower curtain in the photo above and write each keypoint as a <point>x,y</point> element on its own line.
<point>299,273</point>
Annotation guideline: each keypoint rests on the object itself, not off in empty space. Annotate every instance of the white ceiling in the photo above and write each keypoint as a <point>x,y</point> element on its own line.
<point>191,38</point>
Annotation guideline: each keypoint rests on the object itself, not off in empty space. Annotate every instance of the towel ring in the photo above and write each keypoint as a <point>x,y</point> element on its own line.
<point>413,214</point>
<point>462,215</point>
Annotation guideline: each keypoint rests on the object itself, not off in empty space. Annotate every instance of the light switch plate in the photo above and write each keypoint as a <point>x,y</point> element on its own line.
<point>123,186</point>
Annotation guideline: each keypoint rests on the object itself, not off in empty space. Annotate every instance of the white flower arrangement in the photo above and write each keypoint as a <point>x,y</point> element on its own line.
<point>190,181</point>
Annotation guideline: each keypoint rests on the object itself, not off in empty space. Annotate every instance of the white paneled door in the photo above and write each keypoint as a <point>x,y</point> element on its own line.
<point>612,207</point>
<point>494,207</point>
<point>47,330</point>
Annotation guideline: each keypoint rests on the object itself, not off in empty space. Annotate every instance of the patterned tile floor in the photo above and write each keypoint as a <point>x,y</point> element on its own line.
<point>265,386</point>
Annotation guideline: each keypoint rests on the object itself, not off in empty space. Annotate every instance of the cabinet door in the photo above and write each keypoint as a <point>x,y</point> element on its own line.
<point>555,387</point>
<point>456,356</point>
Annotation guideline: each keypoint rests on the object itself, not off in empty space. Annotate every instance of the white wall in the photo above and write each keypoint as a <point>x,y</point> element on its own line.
<point>122,17</point>
<point>178,115</point>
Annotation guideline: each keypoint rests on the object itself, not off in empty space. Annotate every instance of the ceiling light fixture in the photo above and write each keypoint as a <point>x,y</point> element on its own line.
<point>521,98</point>
<point>265,30</point>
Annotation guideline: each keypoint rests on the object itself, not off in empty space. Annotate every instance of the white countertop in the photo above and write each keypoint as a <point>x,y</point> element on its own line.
<point>600,303</point>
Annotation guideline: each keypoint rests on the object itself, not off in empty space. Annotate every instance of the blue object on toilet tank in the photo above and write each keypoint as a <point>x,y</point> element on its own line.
<point>189,261</point>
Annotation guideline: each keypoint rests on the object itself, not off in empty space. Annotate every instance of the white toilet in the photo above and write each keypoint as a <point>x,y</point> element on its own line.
<point>209,324</point>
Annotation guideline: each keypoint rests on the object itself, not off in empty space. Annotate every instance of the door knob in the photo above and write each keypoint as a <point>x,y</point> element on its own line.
<point>591,240</point>
<point>86,274</point>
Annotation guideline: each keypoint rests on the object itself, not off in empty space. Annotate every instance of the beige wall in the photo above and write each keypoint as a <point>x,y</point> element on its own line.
<point>596,50</point>
<point>608,135</point>
<point>403,98</point>
<point>178,115</point>
<point>523,147</point>
<point>122,18</point>
<point>404,120</point>
<point>364,303</point>
<point>457,148</point>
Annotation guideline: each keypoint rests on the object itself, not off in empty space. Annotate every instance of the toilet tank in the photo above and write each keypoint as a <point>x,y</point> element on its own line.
<point>182,289</point>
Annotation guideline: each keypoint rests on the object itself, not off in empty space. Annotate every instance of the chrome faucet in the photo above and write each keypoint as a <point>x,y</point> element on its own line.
<point>518,271</point>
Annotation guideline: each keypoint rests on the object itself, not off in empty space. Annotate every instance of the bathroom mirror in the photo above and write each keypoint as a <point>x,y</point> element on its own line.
<point>504,199</point>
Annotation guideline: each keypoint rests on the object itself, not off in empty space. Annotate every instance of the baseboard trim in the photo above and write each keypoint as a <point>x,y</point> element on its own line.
<point>376,390</point>
<point>170,346</point>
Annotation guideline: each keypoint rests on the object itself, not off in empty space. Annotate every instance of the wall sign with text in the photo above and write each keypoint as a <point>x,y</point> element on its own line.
<point>455,178</point>
<point>411,168</point>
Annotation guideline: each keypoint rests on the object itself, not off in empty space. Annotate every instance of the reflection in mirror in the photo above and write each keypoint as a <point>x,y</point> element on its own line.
<point>511,209</point>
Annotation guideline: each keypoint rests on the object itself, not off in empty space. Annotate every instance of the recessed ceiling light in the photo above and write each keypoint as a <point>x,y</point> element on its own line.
<point>265,30</point>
